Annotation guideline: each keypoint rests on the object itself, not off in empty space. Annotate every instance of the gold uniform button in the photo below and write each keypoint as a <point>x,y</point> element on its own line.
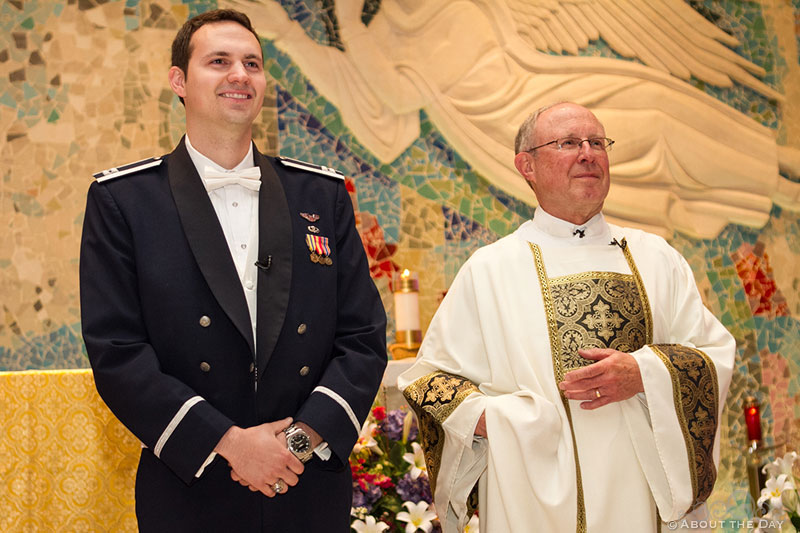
<point>301,329</point>
<point>304,371</point>
<point>205,367</point>
<point>205,321</point>
<point>252,367</point>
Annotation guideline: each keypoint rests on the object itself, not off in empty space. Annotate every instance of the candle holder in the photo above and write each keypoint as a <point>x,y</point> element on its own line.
<point>755,478</point>
<point>757,454</point>
<point>408,334</point>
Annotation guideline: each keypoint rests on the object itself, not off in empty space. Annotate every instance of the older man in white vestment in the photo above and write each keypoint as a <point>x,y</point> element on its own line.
<point>572,379</point>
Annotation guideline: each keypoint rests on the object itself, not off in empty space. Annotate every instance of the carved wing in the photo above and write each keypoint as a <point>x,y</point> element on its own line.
<point>664,34</point>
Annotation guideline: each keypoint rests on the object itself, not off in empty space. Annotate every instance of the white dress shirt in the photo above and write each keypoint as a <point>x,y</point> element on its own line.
<point>237,211</point>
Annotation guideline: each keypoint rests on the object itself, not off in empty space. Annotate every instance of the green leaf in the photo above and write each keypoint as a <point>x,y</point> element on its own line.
<point>396,455</point>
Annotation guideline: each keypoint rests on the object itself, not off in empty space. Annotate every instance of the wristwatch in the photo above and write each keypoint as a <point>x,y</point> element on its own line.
<point>299,443</point>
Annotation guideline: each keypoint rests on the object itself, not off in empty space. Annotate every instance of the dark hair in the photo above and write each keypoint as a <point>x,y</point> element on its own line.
<point>181,45</point>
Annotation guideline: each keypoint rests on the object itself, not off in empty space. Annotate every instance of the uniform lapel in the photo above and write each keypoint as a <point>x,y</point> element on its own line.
<point>275,253</point>
<point>206,239</point>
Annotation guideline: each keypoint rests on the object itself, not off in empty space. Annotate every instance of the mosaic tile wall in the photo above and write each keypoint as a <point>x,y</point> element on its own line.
<point>83,87</point>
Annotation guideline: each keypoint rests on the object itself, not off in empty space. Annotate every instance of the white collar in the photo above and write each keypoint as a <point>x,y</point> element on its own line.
<point>200,161</point>
<point>595,230</point>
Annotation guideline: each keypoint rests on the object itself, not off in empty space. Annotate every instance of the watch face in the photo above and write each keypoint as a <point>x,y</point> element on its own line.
<point>300,443</point>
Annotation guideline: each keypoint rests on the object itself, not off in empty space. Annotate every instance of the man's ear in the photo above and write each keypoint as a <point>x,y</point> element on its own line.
<point>524,163</point>
<point>177,81</point>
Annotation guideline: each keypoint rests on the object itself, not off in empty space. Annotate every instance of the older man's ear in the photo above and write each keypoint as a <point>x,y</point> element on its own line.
<point>523,161</point>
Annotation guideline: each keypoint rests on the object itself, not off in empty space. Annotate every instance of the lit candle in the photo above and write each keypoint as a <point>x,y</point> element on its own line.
<point>406,309</point>
<point>752,417</point>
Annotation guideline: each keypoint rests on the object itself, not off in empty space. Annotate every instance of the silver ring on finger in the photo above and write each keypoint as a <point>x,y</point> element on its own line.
<point>279,486</point>
<point>597,393</point>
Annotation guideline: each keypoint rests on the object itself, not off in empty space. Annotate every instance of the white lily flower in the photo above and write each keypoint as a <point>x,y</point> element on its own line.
<point>417,460</point>
<point>407,421</point>
<point>370,526</point>
<point>773,490</point>
<point>366,439</point>
<point>418,516</point>
<point>781,465</point>
<point>789,499</point>
<point>472,525</point>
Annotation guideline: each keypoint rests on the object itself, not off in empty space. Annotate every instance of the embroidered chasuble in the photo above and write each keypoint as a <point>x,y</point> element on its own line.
<point>501,341</point>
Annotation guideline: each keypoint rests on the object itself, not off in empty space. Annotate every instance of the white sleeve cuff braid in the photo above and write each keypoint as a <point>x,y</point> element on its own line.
<point>162,440</point>
<point>343,403</point>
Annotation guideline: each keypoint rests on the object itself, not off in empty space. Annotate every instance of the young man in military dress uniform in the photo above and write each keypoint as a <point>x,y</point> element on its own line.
<point>228,311</point>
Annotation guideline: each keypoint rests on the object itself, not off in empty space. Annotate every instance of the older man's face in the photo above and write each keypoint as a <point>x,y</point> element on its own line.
<point>570,185</point>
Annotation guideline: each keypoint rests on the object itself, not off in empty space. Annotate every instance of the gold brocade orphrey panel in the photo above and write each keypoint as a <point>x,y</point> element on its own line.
<point>596,310</point>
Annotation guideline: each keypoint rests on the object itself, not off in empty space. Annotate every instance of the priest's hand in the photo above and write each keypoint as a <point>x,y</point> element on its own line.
<point>613,378</point>
<point>258,456</point>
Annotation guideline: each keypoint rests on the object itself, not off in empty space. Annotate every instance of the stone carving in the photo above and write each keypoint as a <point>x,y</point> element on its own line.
<point>683,160</point>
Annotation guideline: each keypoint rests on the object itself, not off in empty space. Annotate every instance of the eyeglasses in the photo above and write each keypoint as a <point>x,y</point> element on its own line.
<point>571,144</point>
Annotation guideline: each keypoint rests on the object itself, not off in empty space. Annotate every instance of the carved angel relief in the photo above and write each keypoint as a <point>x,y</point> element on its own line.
<point>683,160</point>
<point>666,35</point>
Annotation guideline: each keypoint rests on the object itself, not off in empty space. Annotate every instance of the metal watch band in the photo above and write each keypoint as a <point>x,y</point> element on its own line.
<point>292,432</point>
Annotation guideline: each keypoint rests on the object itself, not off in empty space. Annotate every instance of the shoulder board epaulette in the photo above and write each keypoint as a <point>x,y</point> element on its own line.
<point>116,172</point>
<point>310,167</point>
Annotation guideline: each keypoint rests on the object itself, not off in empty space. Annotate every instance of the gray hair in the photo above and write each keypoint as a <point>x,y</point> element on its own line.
<point>524,139</point>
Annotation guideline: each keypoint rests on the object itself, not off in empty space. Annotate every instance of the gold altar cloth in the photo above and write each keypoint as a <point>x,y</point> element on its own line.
<point>66,463</point>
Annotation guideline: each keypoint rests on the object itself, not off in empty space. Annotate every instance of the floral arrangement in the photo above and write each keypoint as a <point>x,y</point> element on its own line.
<point>391,492</point>
<point>779,497</point>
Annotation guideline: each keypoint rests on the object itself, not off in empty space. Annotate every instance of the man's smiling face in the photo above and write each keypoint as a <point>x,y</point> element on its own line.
<point>224,84</point>
<point>570,185</point>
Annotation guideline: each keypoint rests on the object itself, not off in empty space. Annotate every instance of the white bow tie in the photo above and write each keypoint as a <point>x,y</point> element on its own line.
<point>249,178</point>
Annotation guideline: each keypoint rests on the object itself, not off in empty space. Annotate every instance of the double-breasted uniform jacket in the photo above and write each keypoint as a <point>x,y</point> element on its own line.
<point>169,337</point>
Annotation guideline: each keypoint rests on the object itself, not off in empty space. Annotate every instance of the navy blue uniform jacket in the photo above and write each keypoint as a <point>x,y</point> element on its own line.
<point>168,334</point>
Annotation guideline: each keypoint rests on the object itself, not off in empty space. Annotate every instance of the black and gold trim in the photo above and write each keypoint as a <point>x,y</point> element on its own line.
<point>648,315</point>
<point>592,310</point>
<point>433,398</point>
<point>558,370</point>
<point>695,392</point>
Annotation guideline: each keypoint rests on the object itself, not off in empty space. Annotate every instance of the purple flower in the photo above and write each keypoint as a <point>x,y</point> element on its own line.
<point>414,489</point>
<point>392,425</point>
<point>366,498</point>
<point>359,498</point>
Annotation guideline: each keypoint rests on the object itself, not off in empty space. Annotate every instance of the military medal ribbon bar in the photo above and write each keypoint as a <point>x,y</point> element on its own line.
<point>319,248</point>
